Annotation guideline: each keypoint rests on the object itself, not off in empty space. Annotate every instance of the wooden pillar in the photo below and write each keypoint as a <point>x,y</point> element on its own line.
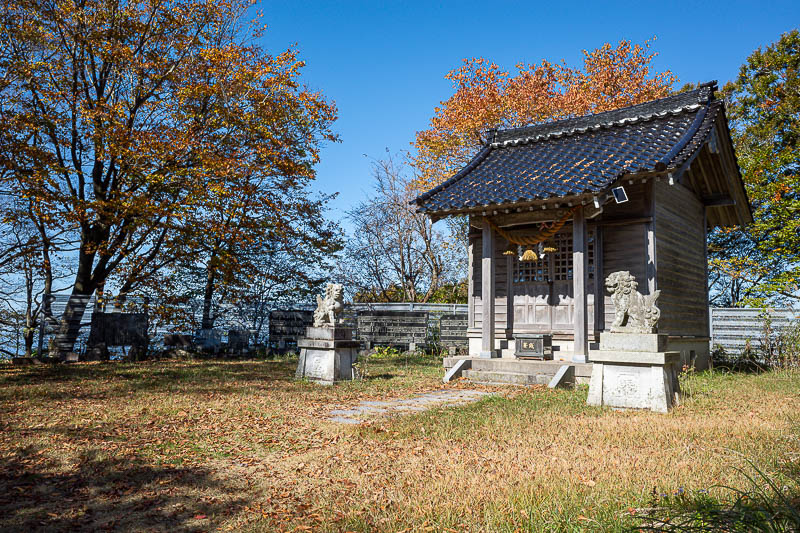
<point>599,281</point>
<point>487,293</point>
<point>509,295</point>
<point>705,262</point>
<point>579,268</point>
<point>470,284</point>
<point>650,256</point>
<point>650,236</point>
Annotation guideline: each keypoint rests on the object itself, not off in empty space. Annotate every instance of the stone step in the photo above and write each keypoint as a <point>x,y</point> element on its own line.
<point>506,378</point>
<point>529,367</point>
<point>513,365</point>
<point>563,359</point>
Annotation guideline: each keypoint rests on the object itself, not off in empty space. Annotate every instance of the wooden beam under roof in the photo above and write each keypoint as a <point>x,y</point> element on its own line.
<point>718,200</point>
<point>714,177</point>
<point>715,163</point>
<point>705,174</point>
<point>725,148</point>
<point>691,180</point>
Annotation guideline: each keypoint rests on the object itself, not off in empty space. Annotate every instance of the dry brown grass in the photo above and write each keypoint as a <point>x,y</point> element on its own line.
<point>241,446</point>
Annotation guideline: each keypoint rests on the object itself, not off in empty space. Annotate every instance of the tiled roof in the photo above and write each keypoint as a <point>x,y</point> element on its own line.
<point>579,155</point>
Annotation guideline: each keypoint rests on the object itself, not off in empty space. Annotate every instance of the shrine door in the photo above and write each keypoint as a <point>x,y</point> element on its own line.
<point>543,289</point>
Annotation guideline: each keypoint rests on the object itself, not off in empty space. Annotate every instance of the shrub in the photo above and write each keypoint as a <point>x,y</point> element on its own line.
<point>769,503</point>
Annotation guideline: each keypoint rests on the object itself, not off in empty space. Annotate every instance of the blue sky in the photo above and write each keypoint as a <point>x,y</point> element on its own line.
<point>383,63</point>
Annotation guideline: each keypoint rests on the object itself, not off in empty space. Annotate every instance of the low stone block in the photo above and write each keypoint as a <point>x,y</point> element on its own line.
<point>633,342</point>
<point>639,358</point>
<point>596,386</point>
<point>323,344</point>
<point>327,360</point>
<point>326,366</point>
<point>627,386</point>
<point>457,369</point>
<point>635,380</point>
<point>329,333</point>
<point>565,376</point>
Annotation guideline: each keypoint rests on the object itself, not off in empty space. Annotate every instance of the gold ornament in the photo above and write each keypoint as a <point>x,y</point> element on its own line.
<point>529,255</point>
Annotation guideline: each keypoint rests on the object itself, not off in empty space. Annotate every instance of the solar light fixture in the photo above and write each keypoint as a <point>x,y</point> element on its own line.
<point>619,195</point>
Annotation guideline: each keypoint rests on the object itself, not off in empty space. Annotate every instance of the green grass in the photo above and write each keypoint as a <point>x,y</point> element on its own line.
<point>201,445</point>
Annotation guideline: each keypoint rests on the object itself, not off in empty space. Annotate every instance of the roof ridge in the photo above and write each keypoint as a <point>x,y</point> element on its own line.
<point>597,126</point>
<point>704,93</point>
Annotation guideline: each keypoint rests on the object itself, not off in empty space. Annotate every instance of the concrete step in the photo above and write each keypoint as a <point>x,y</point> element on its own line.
<point>561,359</point>
<point>448,362</point>
<point>513,365</point>
<point>529,367</point>
<point>506,378</point>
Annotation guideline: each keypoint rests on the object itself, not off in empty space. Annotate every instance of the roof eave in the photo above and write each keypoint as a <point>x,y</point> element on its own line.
<point>475,161</point>
<point>542,203</point>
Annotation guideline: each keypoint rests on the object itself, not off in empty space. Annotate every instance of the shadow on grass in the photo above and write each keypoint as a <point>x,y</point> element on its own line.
<point>110,494</point>
<point>380,376</point>
<point>205,376</point>
<point>412,359</point>
<point>105,381</point>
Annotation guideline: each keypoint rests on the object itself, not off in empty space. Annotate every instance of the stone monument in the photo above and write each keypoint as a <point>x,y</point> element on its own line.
<point>632,369</point>
<point>328,351</point>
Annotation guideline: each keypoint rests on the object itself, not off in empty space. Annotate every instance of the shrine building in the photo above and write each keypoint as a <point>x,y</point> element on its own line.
<point>556,207</point>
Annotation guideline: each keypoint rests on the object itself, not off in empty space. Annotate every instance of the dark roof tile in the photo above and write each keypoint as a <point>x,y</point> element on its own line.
<point>580,155</point>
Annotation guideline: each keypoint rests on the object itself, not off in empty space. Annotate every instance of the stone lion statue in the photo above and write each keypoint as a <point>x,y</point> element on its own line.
<point>633,311</point>
<point>330,306</point>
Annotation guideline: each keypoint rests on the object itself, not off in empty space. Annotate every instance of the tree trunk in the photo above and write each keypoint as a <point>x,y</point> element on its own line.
<point>70,324</point>
<point>30,315</point>
<point>208,321</point>
<point>27,336</point>
<point>45,310</point>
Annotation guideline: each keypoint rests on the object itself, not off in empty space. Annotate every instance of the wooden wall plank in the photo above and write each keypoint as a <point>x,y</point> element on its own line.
<point>624,248</point>
<point>681,261</point>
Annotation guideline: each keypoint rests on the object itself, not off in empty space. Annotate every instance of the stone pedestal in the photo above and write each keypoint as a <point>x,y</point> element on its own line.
<point>327,354</point>
<point>633,370</point>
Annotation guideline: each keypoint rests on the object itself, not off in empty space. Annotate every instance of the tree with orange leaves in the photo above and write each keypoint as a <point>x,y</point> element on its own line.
<point>488,97</point>
<point>134,125</point>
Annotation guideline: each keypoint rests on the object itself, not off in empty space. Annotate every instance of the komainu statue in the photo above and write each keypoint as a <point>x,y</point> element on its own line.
<point>633,311</point>
<point>329,307</point>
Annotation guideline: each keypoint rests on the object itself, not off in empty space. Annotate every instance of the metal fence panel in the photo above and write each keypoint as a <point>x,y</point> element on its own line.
<point>171,324</point>
<point>734,329</point>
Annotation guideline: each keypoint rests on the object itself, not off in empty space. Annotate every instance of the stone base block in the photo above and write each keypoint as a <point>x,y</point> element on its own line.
<point>327,355</point>
<point>635,380</point>
<point>324,344</point>
<point>330,333</point>
<point>633,342</point>
<point>637,358</point>
<point>326,366</point>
